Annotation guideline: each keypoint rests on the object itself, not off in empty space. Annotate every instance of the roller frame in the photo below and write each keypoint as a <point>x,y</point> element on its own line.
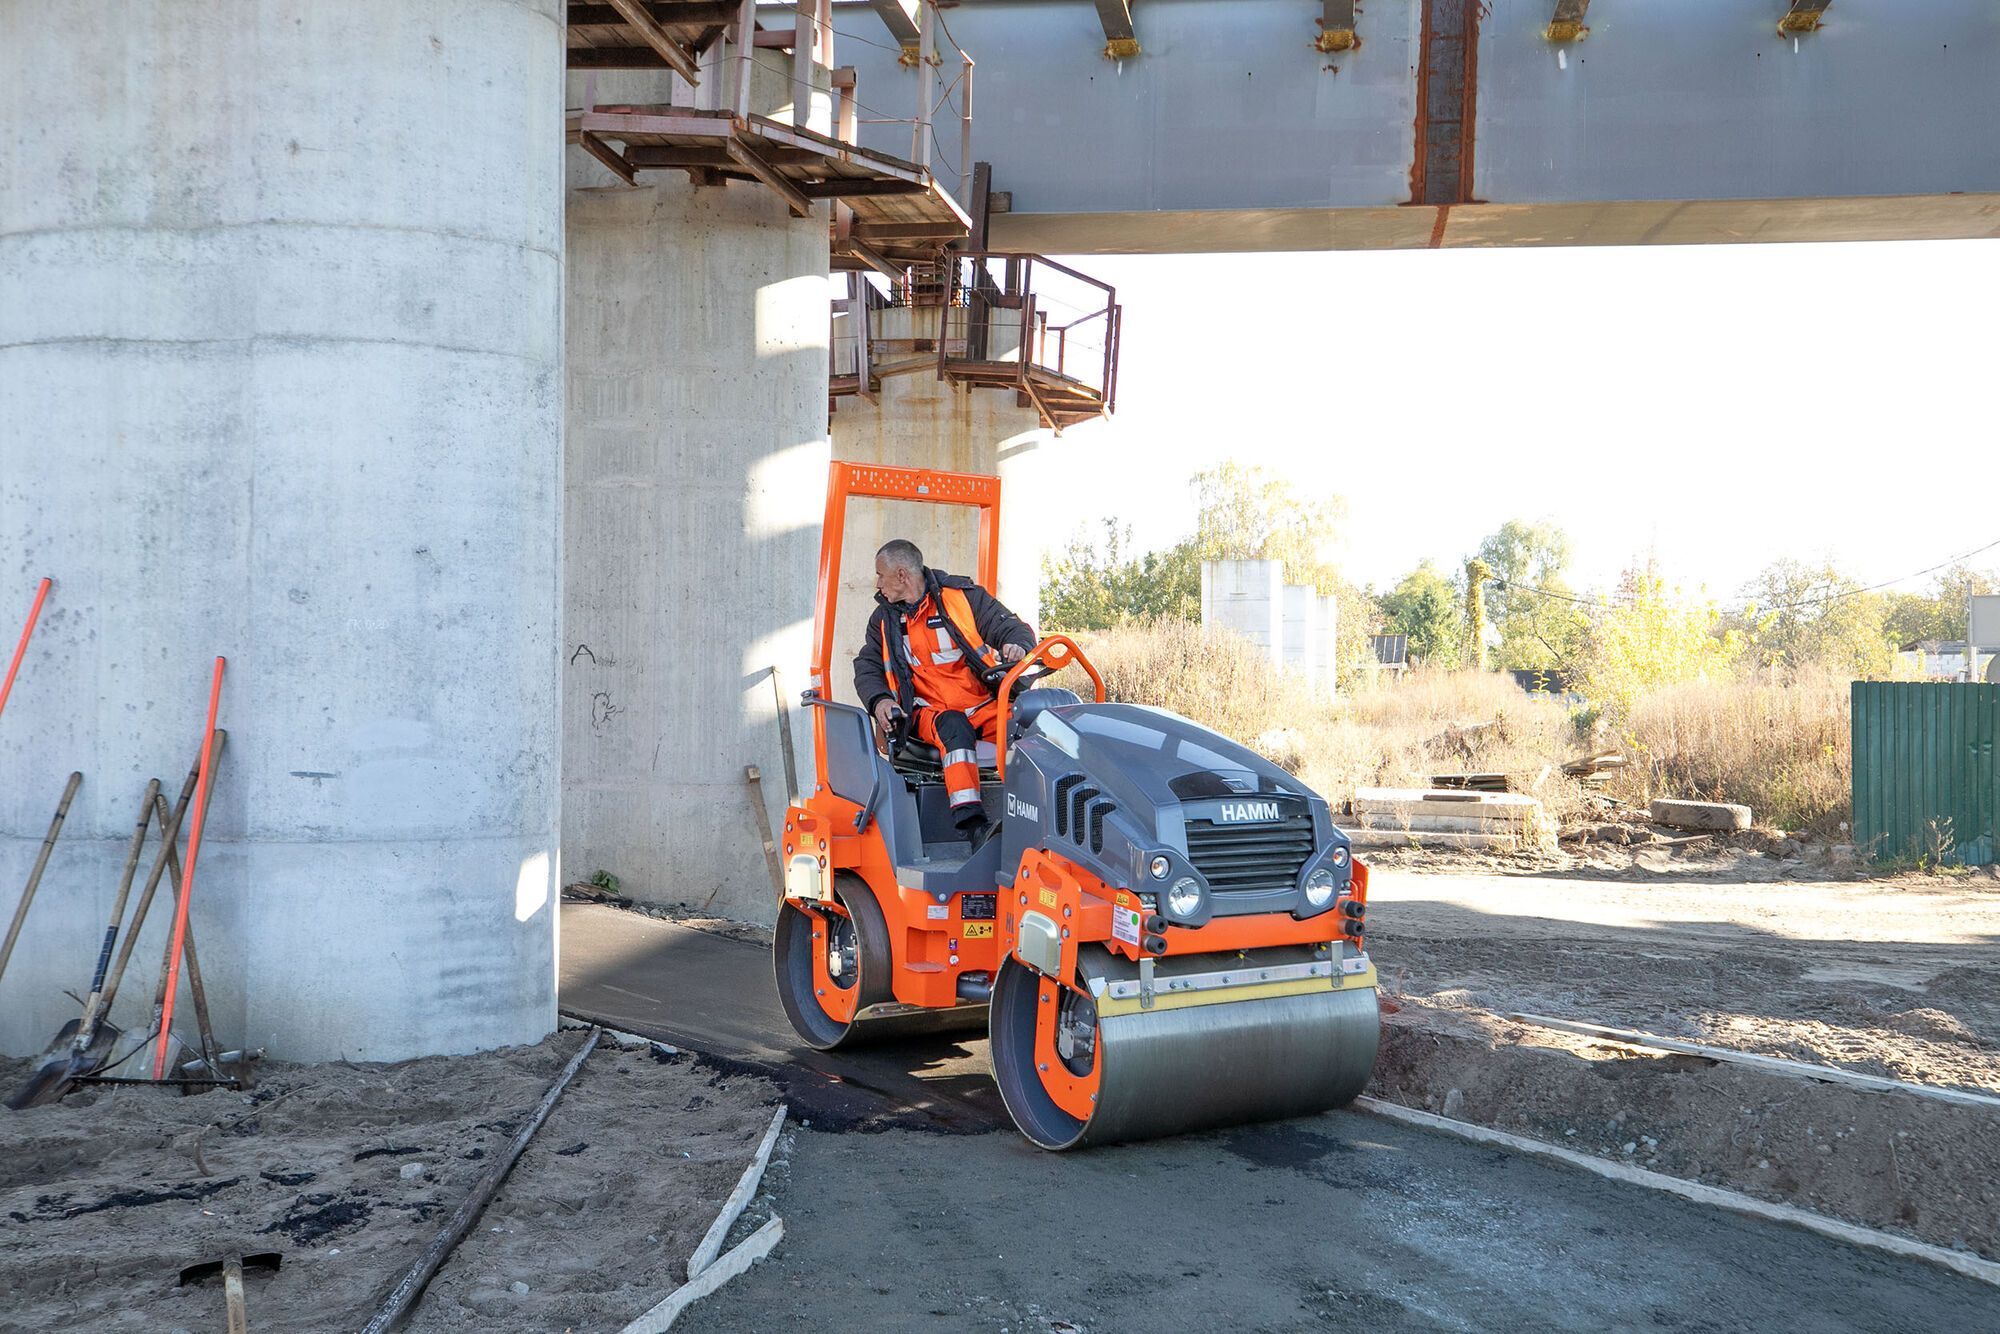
<point>1248,1016</point>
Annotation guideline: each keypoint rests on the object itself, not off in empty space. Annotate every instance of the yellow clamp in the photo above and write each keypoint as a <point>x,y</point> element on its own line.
<point>1566,30</point>
<point>1336,39</point>
<point>1121,48</point>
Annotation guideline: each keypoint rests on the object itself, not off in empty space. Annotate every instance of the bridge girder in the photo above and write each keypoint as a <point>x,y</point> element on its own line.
<point>1240,128</point>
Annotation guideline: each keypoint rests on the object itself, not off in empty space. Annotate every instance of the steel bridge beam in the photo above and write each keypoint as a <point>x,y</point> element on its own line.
<point>1680,124</point>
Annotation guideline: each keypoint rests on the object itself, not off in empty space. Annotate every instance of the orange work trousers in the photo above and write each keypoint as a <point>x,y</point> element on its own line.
<point>956,736</point>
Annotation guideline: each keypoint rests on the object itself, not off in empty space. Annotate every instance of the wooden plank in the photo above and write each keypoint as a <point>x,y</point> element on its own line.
<point>616,57</point>
<point>875,260</point>
<point>649,156</point>
<point>689,123</point>
<point>687,14</point>
<point>939,230</point>
<point>739,1199</point>
<point>899,17</point>
<point>608,155</point>
<point>746,1253</point>
<point>846,187</point>
<point>662,41</point>
<point>669,157</point>
<point>753,785</point>
<point>747,158</point>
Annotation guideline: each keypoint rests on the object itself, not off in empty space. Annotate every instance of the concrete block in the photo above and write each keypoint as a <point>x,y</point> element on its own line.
<point>1246,597</point>
<point>1702,815</point>
<point>1299,631</point>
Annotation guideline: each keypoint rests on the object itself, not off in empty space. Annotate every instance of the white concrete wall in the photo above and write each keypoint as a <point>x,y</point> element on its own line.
<point>1246,596</point>
<point>697,457</point>
<point>1300,646</point>
<point>1329,643</point>
<point>280,322</point>
<point>920,421</point>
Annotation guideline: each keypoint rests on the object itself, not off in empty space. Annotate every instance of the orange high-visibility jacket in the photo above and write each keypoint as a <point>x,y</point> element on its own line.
<point>928,654</point>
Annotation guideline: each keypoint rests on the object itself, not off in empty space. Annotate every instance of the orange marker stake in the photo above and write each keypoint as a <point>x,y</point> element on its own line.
<point>21,649</point>
<point>187,876</point>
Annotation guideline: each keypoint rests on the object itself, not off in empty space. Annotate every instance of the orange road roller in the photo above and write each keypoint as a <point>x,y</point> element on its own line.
<point>1161,931</point>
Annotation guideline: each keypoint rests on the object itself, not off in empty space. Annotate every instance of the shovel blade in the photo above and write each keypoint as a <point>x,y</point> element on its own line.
<point>61,1064</point>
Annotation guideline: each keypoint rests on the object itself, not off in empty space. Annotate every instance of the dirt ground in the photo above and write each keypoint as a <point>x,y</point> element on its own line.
<point>349,1170</point>
<point>1895,977</point>
<point>1892,977</point>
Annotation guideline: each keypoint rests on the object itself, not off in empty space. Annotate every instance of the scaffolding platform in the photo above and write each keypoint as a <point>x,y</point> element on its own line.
<point>895,213</point>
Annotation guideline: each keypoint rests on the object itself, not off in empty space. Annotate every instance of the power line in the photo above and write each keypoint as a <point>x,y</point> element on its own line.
<point>1787,606</point>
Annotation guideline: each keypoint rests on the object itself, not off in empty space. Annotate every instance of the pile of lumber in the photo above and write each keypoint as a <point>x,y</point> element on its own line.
<point>1446,816</point>
<point>1592,770</point>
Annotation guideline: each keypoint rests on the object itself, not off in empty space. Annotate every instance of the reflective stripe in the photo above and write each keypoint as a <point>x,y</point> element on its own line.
<point>965,796</point>
<point>961,757</point>
<point>945,657</point>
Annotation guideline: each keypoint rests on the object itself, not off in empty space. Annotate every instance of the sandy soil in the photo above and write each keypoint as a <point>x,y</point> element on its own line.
<point>349,1170</point>
<point>1893,977</point>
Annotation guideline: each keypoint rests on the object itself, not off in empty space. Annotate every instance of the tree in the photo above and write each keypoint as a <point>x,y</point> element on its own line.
<point>1909,618</point>
<point>1651,637</point>
<point>1424,606</point>
<point>1242,514</point>
<point>1800,614</point>
<point>1094,585</point>
<point>1477,572</point>
<point>1538,626</point>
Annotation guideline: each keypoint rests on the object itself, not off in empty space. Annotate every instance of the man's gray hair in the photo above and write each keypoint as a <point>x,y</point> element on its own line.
<point>904,554</point>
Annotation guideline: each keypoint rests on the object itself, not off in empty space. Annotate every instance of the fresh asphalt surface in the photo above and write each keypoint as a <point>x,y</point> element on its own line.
<point>910,1203</point>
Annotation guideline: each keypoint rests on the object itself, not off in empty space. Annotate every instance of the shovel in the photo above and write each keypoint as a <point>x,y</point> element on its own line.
<point>82,1044</point>
<point>41,864</point>
<point>231,1270</point>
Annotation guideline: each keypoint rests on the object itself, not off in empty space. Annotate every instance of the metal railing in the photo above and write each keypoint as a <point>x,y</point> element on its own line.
<point>1058,328</point>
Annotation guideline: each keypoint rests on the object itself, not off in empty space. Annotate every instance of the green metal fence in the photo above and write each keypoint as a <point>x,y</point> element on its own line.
<point>1926,776</point>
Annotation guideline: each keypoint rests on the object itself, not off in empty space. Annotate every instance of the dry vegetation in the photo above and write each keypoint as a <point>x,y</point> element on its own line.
<point>1779,747</point>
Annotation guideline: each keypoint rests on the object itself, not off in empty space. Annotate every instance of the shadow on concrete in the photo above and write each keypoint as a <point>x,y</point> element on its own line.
<point>715,996</point>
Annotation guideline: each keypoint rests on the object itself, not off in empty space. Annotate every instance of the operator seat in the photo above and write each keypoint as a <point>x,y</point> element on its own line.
<point>919,760</point>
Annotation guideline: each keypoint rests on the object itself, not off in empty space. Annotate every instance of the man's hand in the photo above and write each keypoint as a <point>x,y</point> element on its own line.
<point>885,716</point>
<point>1012,653</point>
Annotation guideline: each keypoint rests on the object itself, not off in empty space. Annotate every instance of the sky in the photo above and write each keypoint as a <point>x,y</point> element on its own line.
<point>1712,407</point>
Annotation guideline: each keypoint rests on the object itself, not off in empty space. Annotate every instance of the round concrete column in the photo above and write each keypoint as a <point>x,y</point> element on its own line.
<point>280,346</point>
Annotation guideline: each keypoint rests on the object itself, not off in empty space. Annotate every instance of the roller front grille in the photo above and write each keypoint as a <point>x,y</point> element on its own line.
<point>1238,858</point>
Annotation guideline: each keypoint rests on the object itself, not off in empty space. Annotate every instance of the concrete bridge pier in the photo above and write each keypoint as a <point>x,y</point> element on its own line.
<point>696,480</point>
<point>280,344</point>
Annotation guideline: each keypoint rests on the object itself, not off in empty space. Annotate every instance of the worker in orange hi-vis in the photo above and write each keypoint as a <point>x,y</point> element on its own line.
<point>937,647</point>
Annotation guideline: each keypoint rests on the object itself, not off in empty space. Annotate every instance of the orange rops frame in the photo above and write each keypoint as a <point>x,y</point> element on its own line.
<point>882,482</point>
<point>927,486</point>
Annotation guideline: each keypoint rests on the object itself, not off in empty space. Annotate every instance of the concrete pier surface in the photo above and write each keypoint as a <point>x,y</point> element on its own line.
<point>280,350</point>
<point>696,477</point>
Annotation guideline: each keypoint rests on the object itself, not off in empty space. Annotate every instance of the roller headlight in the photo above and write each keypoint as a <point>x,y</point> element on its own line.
<point>1184,897</point>
<point>1319,888</point>
<point>1160,866</point>
<point>1338,857</point>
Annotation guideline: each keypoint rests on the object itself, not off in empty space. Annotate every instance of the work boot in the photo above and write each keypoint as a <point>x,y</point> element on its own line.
<point>973,825</point>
